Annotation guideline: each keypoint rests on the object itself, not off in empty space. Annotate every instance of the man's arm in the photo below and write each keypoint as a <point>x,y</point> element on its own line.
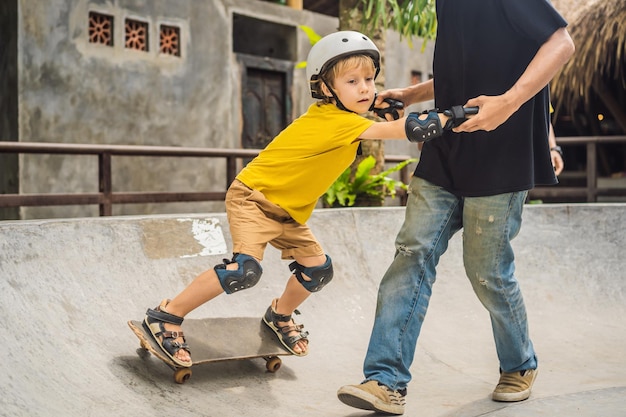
<point>409,95</point>
<point>495,110</point>
<point>555,152</point>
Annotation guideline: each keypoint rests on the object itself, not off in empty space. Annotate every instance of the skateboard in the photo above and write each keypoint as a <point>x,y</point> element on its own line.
<point>218,340</point>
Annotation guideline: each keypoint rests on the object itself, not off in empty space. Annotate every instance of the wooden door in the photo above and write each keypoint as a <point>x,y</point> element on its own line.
<point>264,107</point>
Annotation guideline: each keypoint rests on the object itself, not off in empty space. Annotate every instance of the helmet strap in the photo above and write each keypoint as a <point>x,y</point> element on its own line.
<point>338,102</point>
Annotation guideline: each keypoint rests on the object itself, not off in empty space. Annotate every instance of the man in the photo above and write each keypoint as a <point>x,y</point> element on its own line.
<point>498,55</point>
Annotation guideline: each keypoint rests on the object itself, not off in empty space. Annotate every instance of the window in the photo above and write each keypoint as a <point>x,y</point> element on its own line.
<point>169,40</point>
<point>100,28</point>
<point>136,35</point>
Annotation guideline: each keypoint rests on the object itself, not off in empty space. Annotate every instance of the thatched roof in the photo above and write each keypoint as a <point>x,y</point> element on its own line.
<point>598,28</point>
<point>570,9</point>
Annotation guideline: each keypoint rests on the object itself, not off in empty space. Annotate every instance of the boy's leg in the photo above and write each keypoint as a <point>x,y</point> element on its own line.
<point>241,210</point>
<point>295,294</point>
<point>297,242</point>
<point>202,289</point>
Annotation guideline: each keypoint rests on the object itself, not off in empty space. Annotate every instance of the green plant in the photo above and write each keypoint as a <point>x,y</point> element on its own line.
<point>313,36</point>
<point>346,190</point>
<point>407,17</point>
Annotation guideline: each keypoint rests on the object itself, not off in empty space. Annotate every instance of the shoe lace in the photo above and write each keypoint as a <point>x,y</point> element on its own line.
<point>396,397</point>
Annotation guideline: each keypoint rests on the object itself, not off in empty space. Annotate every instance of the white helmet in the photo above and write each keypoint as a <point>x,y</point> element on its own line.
<point>331,48</point>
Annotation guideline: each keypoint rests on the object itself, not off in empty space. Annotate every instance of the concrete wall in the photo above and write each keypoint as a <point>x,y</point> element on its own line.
<point>74,91</point>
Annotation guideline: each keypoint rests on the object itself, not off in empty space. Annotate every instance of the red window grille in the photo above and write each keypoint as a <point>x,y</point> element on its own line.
<point>100,28</point>
<point>136,35</point>
<point>169,40</point>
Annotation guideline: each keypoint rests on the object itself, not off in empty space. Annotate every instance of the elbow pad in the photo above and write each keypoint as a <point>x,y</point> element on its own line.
<point>418,130</point>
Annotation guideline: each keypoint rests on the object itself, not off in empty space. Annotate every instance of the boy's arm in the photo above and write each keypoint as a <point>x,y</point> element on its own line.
<point>385,130</point>
<point>419,127</point>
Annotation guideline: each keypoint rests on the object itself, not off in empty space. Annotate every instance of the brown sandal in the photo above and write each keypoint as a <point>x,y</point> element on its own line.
<point>272,318</point>
<point>154,324</point>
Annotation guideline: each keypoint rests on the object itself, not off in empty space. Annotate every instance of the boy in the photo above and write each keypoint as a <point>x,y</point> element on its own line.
<point>273,196</point>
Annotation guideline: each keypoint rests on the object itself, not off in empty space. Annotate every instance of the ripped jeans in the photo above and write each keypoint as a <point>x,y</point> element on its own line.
<point>433,215</point>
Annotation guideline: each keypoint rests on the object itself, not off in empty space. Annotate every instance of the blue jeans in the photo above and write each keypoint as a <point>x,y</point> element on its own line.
<point>433,215</point>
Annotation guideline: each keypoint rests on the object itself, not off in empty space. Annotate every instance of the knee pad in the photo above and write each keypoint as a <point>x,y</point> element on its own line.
<point>319,275</point>
<point>247,274</point>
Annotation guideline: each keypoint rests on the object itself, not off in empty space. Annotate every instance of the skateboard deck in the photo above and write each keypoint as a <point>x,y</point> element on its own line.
<point>218,340</point>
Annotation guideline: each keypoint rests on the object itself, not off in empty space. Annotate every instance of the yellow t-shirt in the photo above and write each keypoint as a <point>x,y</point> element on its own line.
<point>302,162</point>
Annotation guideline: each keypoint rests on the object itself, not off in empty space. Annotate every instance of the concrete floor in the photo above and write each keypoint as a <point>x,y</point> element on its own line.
<point>67,288</point>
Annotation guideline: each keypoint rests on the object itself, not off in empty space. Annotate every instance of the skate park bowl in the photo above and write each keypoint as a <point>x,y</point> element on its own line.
<point>68,287</point>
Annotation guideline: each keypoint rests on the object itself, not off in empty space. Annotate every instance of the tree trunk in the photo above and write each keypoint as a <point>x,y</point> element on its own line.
<point>350,18</point>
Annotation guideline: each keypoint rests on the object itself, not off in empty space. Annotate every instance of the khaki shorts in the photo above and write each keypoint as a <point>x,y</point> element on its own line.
<point>254,222</point>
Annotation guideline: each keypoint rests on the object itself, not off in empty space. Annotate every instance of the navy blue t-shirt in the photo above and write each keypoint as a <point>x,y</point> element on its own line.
<point>482,48</point>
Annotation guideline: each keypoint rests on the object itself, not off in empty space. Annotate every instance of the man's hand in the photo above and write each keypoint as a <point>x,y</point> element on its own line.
<point>494,110</point>
<point>394,94</point>
<point>412,94</point>
<point>456,115</point>
<point>392,109</point>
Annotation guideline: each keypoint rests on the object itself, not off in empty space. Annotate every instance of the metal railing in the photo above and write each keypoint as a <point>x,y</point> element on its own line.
<point>591,191</point>
<point>105,198</point>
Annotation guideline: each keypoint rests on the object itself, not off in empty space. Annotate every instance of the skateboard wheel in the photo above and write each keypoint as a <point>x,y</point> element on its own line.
<point>182,375</point>
<point>273,364</point>
<point>143,353</point>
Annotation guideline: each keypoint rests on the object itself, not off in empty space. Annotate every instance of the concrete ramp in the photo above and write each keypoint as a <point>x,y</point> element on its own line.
<point>67,288</point>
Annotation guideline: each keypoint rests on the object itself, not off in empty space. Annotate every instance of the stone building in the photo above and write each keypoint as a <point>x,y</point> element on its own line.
<point>211,73</point>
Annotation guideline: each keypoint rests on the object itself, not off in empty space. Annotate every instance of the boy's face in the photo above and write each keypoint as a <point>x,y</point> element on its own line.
<point>355,88</point>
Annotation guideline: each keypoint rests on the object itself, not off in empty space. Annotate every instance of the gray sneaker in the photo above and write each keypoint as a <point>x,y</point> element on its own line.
<point>514,386</point>
<point>373,396</point>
